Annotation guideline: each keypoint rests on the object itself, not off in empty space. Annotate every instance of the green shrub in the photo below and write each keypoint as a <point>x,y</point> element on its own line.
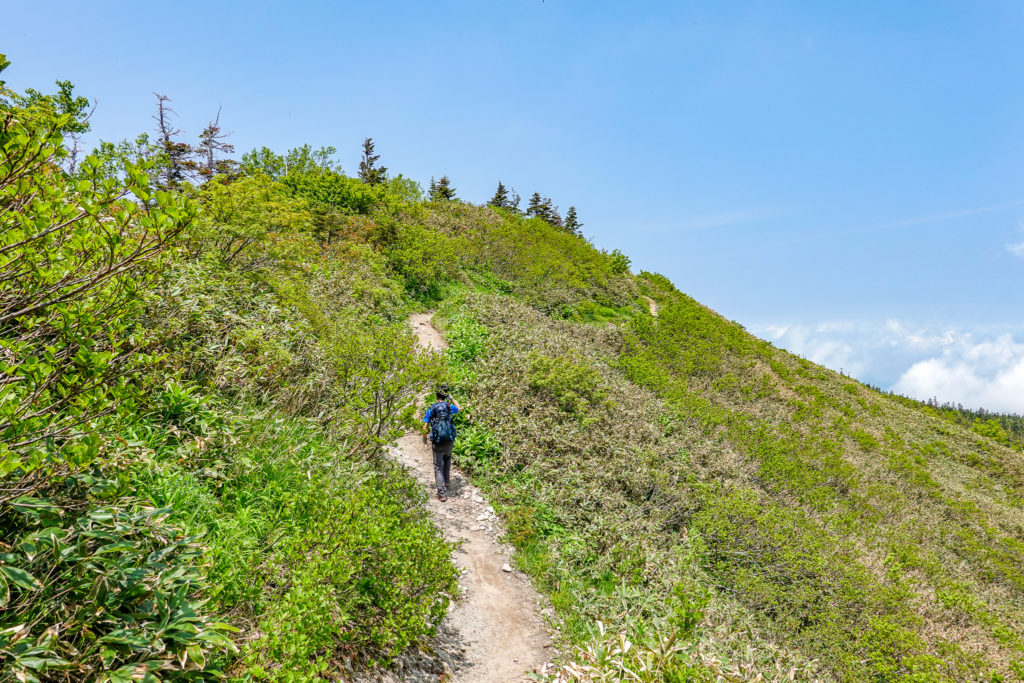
<point>329,188</point>
<point>100,587</point>
<point>372,586</point>
<point>573,384</point>
<point>424,260</point>
<point>619,262</point>
<point>323,553</point>
<point>476,449</point>
<point>657,280</point>
<point>466,339</point>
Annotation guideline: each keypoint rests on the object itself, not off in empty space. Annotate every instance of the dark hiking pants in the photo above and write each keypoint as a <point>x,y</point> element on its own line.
<point>442,465</point>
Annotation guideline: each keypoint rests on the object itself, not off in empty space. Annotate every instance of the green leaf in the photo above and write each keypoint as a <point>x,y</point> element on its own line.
<point>36,663</point>
<point>215,638</point>
<point>116,547</point>
<point>26,503</point>
<point>5,591</point>
<point>22,578</point>
<point>224,626</point>
<point>126,674</point>
<point>24,675</point>
<point>129,637</point>
<point>195,653</point>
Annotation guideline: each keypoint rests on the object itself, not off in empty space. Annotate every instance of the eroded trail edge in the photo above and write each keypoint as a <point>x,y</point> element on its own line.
<point>495,625</point>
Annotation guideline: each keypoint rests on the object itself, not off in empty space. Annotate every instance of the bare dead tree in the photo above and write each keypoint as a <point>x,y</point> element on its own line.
<point>178,155</point>
<point>76,141</point>
<point>212,144</point>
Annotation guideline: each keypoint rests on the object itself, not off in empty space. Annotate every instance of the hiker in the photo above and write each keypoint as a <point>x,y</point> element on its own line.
<point>442,438</point>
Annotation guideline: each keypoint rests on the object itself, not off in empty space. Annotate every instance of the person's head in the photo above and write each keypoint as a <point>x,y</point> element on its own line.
<point>442,392</point>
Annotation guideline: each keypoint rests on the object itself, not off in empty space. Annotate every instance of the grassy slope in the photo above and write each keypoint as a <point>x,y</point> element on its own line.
<point>259,445</point>
<point>636,458</point>
<point>317,548</point>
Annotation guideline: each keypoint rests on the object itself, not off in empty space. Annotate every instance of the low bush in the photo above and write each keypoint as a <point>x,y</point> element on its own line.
<point>97,584</point>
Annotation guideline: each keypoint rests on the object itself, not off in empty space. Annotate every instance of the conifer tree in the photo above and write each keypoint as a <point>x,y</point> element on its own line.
<point>441,190</point>
<point>544,208</point>
<point>535,208</point>
<point>369,172</point>
<point>572,223</point>
<point>500,198</point>
<point>178,156</point>
<point>211,144</point>
<point>513,202</point>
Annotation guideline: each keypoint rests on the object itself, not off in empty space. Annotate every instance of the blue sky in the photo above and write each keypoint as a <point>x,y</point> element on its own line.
<point>845,179</point>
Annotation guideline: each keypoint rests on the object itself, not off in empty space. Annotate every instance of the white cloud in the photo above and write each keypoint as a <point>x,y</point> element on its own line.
<point>984,368</point>
<point>776,331</point>
<point>987,374</point>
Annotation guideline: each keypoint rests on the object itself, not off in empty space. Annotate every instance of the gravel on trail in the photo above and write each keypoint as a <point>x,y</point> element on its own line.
<point>494,632</point>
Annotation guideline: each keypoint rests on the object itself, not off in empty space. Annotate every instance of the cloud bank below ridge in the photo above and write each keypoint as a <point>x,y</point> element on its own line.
<point>979,369</point>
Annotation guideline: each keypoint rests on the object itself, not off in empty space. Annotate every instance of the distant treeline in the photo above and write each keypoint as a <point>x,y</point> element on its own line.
<point>1006,428</point>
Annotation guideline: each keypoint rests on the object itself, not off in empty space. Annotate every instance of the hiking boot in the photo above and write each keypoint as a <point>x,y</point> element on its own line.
<point>442,497</point>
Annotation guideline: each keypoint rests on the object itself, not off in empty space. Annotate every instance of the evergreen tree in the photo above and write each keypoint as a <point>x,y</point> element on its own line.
<point>211,144</point>
<point>441,190</point>
<point>178,156</point>
<point>543,208</point>
<point>536,206</point>
<point>572,223</point>
<point>369,172</point>
<point>500,198</point>
<point>551,213</point>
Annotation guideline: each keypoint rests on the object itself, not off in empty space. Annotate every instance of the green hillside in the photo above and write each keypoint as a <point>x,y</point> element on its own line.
<point>201,372</point>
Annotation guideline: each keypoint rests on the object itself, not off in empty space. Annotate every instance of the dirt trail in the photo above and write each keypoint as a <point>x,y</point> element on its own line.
<point>494,632</point>
<point>652,306</point>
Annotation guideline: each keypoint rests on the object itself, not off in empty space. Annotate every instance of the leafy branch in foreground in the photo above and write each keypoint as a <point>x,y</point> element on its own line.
<point>75,254</point>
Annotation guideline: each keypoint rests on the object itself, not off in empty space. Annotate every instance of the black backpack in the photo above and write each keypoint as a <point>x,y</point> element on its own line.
<point>442,429</point>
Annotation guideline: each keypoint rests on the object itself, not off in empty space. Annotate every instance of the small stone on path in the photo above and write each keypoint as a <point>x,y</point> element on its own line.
<point>506,568</point>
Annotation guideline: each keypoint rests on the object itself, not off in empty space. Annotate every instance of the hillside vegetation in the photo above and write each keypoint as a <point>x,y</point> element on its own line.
<point>201,375</point>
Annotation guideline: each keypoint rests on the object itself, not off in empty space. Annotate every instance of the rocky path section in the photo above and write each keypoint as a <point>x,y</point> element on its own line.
<point>493,633</point>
